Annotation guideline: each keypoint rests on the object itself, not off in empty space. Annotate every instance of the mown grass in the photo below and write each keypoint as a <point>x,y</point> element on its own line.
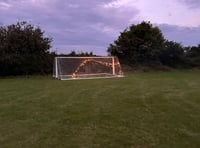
<point>157,109</point>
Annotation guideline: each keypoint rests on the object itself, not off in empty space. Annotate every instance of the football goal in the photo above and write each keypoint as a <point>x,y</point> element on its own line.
<point>67,68</point>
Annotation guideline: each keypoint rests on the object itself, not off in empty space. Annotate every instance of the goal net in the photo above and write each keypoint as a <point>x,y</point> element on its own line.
<point>66,68</point>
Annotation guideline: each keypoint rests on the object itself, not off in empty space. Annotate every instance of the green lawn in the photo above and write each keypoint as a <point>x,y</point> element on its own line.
<point>144,110</point>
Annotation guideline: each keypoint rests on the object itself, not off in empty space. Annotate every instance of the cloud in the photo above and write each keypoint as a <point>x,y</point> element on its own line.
<point>81,23</point>
<point>174,12</point>
<point>91,25</point>
<point>4,5</point>
<point>191,3</point>
<point>187,36</point>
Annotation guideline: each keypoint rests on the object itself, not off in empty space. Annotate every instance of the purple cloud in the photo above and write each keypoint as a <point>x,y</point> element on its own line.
<point>187,36</point>
<point>191,3</point>
<point>85,25</point>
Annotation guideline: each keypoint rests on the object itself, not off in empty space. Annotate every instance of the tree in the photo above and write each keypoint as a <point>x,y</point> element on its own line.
<point>138,45</point>
<point>24,50</point>
<point>193,56</point>
<point>172,54</point>
<point>73,53</point>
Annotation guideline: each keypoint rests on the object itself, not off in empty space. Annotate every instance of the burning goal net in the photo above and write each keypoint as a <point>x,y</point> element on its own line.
<point>66,68</point>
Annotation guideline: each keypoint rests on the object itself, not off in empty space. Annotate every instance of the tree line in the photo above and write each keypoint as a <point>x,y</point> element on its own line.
<point>73,53</point>
<point>25,50</point>
<point>145,45</point>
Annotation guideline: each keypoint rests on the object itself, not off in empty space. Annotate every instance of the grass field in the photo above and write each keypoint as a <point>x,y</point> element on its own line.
<point>139,111</point>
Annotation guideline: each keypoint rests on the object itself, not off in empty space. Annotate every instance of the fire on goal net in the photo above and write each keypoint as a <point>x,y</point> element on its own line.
<point>67,68</point>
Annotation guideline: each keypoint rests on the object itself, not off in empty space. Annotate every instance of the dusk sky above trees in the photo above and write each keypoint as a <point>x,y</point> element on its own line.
<point>91,25</point>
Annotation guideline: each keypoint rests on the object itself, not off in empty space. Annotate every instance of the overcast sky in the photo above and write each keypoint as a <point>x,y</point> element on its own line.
<point>91,25</point>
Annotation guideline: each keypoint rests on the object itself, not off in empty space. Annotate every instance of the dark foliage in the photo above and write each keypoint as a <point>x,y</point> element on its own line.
<point>73,53</point>
<point>138,45</point>
<point>172,54</point>
<point>193,56</point>
<point>24,50</point>
<point>144,45</point>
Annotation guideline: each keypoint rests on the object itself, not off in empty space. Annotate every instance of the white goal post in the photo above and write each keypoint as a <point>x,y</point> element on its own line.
<point>68,68</point>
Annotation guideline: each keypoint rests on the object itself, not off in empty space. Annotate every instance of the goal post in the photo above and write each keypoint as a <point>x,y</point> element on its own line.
<point>66,68</point>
